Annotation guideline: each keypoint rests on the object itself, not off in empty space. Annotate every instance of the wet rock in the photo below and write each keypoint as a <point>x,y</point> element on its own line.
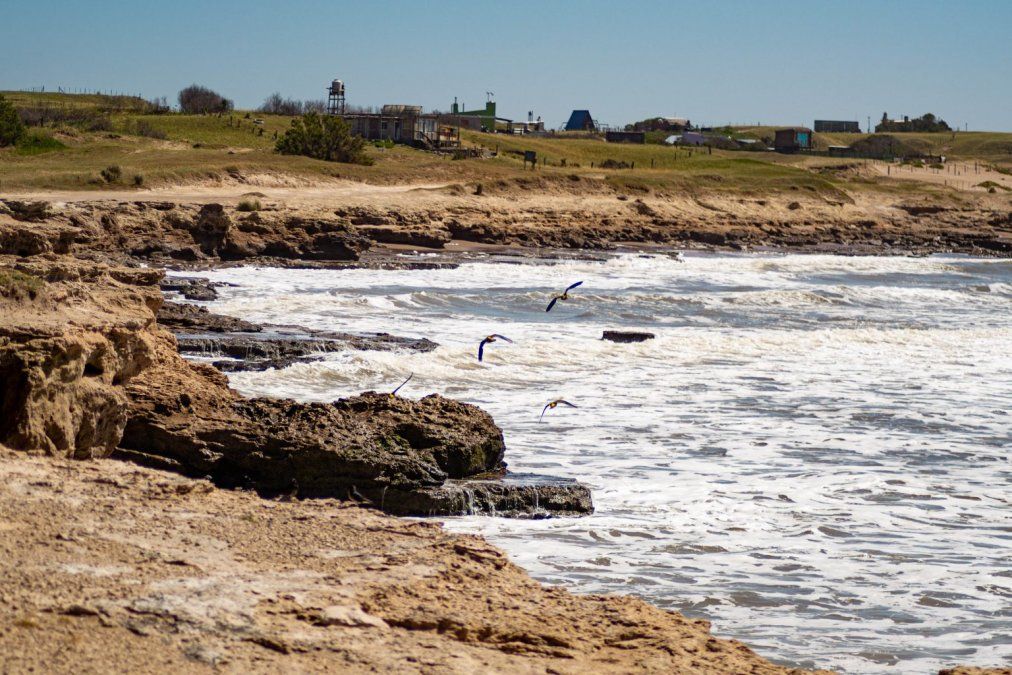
<point>356,447</point>
<point>255,347</point>
<point>193,318</point>
<point>191,288</point>
<point>280,347</point>
<point>626,336</point>
<point>513,496</point>
<point>260,365</point>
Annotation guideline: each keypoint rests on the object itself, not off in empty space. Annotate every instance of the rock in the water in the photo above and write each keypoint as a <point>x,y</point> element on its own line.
<point>513,495</point>
<point>186,317</point>
<point>191,288</point>
<point>357,447</point>
<point>627,336</point>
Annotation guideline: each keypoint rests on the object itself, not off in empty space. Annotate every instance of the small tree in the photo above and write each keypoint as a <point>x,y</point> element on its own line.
<point>276,105</point>
<point>196,100</point>
<point>11,126</point>
<point>323,137</point>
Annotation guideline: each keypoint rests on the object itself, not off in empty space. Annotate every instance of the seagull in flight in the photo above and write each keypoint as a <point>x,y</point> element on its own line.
<point>394,392</point>
<point>562,296</point>
<point>489,340</point>
<point>554,404</point>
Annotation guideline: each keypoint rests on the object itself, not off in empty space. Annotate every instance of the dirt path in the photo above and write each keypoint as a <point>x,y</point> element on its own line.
<point>217,192</point>
<point>964,176</point>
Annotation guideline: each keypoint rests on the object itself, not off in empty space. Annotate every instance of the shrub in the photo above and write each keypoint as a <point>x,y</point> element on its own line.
<point>11,126</point>
<point>196,99</point>
<point>323,137</point>
<point>144,128</point>
<point>138,179</point>
<point>111,173</point>
<point>36,143</point>
<point>98,123</point>
<point>248,205</point>
<point>18,285</point>
<point>276,105</point>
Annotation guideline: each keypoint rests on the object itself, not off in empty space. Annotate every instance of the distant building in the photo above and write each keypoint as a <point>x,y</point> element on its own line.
<point>792,139</point>
<point>837,127</point>
<point>660,124</point>
<point>483,119</point>
<point>692,138</point>
<point>625,137</point>
<point>404,124</point>
<point>580,120</point>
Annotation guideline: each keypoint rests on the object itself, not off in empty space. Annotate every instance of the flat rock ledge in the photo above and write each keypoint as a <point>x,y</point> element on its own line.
<point>255,346</point>
<point>510,496</point>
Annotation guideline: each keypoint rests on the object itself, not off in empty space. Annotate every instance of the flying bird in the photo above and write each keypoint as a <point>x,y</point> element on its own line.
<point>394,392</point>
<point>554,404</point>
<point>489,340</point>
<point>562,296</point>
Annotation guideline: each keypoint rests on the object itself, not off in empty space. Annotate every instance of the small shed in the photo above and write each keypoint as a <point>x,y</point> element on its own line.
<point>625,137</point>
<point>793,139</point>
<point>692,138</point>
<point>580,120</point>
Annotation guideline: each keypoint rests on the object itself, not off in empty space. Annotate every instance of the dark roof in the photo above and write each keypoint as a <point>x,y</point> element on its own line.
<point>580,120</point>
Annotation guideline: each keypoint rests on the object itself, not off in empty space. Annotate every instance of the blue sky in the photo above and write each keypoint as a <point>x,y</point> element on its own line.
<point>715,62</point>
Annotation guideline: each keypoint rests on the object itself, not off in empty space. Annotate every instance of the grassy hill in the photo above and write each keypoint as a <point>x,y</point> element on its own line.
<point>98,102</point>
<point>983,145</point>
<point>169,149</point>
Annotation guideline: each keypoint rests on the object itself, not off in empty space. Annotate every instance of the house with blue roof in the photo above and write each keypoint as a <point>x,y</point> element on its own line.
<point>580,120</point>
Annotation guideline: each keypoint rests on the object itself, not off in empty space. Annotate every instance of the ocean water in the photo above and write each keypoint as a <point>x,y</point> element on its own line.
<point>813,453</point>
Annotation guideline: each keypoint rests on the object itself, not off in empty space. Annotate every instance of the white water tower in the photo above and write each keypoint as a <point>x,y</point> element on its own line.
<point>335,98</point>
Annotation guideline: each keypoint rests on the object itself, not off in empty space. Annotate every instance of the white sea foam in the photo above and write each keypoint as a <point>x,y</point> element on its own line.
<point>813,453</point>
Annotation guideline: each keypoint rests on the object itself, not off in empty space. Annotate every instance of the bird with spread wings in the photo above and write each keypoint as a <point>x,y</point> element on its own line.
<point>552,405</point>
<point>489,340</point>
<point>562,296</point>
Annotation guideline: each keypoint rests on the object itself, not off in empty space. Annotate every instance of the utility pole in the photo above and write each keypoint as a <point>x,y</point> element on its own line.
<point>869,124</point>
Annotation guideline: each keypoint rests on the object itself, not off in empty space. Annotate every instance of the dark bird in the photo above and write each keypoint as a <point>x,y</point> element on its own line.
<point>554,404</point>
<point>562,296</point>
<point>394,392</point>
<point>489,340</point>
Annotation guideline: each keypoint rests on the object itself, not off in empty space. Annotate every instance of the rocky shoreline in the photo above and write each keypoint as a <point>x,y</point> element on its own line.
<point>197,235</point>
<point>90,354</point>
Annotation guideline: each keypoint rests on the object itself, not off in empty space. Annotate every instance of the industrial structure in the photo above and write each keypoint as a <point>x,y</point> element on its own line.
<point>792,139</point>
<point>837,126</point>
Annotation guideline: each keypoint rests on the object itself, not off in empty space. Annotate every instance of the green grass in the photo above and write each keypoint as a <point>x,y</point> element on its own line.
<point>657,167</point>
<point>15,284</point>
<point>98,102</point>
<point>173,149</point>
<point>36,143</point>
